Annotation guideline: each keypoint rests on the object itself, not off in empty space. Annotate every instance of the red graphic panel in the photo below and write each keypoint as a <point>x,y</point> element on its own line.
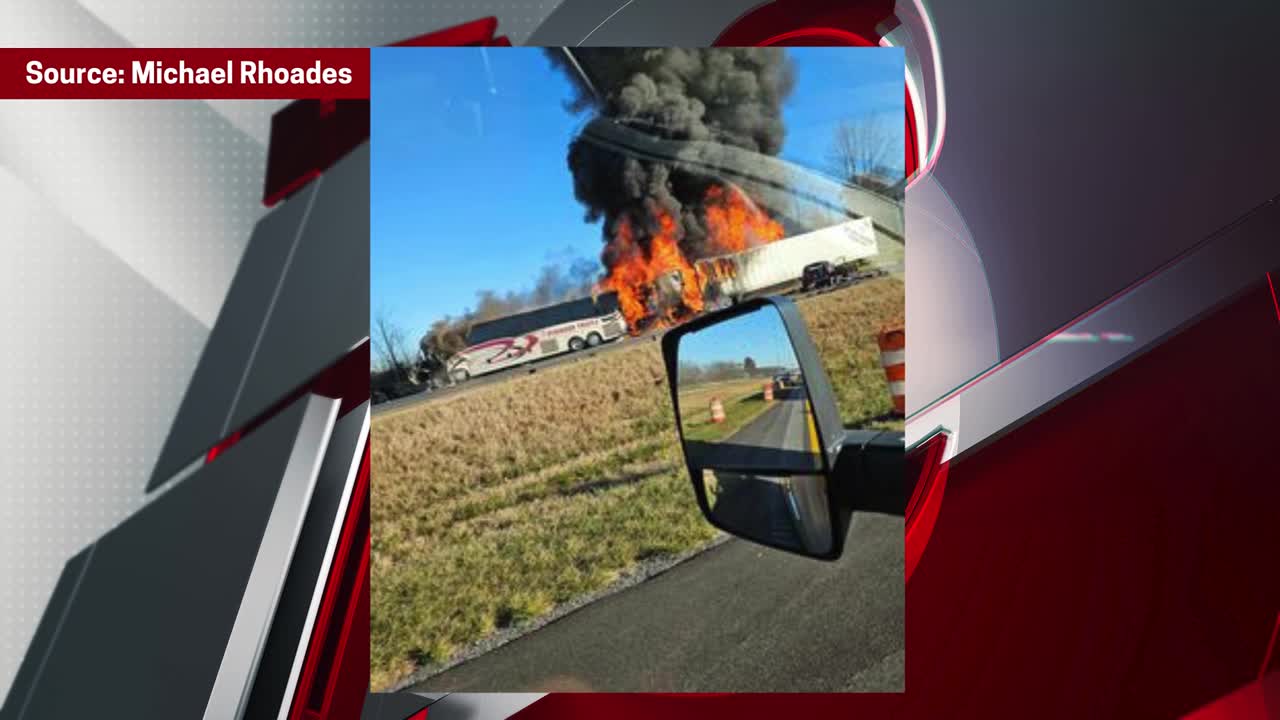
<point>927,475</point>
<point>307,138</point>
<point>1274,300</point>
<point>335,673</point>
<point>478,32</point>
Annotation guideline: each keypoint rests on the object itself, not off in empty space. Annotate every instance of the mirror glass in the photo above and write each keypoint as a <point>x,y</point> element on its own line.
<point>742,399</point>
<point>789,511</point>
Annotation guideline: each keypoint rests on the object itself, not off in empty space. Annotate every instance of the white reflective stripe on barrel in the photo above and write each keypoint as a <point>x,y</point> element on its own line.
<point>892,357</point>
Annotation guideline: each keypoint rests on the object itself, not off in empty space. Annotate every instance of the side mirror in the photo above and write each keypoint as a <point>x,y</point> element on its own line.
<point>759,426</point>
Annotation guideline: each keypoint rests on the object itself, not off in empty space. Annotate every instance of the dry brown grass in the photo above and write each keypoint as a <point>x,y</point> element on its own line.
<point>736,399</point>
<point>844,325</point>
<point>461,445</point>
<point>491,507</point>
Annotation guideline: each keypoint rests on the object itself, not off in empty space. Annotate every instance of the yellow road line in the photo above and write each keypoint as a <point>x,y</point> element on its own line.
<point>813,429</point>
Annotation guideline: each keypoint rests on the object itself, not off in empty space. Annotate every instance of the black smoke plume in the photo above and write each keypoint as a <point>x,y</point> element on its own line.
<point>732,96</point>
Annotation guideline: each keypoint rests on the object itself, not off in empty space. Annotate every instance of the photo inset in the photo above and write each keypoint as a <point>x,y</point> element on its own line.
<point>637,320</point>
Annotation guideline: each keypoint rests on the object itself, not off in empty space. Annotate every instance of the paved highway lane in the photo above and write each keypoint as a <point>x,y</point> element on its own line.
<point>779,437</point>
<point>784,509</point>
<point>784,426</point>
<point>739,617</point>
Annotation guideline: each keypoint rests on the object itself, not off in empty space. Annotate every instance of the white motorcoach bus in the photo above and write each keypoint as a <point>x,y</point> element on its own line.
<point>524,337</point>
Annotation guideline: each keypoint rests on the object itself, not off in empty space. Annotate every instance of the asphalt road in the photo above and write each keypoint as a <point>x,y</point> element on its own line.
<point>779,437</point>
<point>739,617</point>
<point>791,510</point>
<point>784,426</point>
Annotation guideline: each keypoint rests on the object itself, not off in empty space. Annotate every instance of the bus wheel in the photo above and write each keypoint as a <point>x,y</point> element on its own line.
<point>594,339</point>
<point>460,375</point>
<point>576,344</point>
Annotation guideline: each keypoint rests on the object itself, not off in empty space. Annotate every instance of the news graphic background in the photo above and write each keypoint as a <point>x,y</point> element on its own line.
<point>128,221</point>
<point>124,222</point>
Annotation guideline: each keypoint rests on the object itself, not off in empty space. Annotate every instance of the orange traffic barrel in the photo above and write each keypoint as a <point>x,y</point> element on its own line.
<point>893,358</point>
<point>768,392</point>
<point>717,410</point>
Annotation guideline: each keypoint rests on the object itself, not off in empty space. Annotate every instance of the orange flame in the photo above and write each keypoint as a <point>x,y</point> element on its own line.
<point>734,223</point>
<point>662,287</point>
<point>644,281</point>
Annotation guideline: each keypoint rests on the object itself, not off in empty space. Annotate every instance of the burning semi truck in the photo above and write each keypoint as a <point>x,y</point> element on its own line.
<point>662,282</point>
<point>680,165</point>
<point>777,266</point>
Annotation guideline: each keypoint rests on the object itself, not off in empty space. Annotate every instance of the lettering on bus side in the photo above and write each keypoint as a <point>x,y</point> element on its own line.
<point>562,329</point>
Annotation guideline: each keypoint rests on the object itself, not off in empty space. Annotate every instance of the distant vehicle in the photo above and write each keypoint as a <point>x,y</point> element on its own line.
<point>524,337</point>
<point>790,378</point>
<point>819,275</point>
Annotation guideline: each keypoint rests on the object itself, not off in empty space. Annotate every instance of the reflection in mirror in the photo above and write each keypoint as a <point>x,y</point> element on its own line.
<point>790,512</point>
<point>742,398</point>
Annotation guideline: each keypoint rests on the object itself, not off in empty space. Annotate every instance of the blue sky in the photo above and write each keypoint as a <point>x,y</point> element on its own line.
<point>759,335</point>
<point>470,186</point>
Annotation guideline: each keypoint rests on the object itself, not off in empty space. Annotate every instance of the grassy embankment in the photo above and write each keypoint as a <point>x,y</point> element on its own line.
<point>742,399</point>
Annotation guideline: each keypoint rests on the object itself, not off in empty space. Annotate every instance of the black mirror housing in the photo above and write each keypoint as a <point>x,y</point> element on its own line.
<point>826,425</point>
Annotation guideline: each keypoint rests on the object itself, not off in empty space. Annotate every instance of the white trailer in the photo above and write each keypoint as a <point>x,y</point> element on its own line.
<point>783,261</point>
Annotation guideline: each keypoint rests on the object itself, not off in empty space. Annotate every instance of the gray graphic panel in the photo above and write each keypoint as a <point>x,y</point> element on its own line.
<point>295,618</point>
<point>322,310</point>
<point>208,401</point>
<point>299,303</point>
<point>147,626</point>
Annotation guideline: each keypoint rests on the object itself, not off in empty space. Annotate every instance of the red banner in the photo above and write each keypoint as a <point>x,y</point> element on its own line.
<point>184,73</point>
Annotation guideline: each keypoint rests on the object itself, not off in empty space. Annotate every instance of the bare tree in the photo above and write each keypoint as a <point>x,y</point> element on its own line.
<point>862,152</point>
<point>389,345</point>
